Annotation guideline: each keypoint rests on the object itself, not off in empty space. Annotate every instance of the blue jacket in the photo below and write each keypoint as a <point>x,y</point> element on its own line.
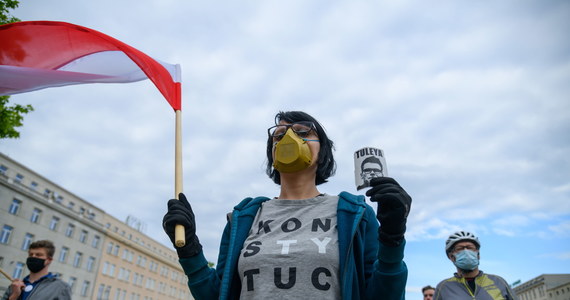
<point>368,269</point>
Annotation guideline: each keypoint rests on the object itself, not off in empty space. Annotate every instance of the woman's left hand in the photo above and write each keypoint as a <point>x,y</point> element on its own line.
<point>393,209</point>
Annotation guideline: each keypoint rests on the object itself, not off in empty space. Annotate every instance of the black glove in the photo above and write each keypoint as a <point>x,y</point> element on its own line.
<point>180,212</point>
<point>393,209</point>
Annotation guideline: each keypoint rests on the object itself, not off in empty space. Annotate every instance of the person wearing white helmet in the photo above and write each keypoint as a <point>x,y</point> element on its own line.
<point>462,248</point>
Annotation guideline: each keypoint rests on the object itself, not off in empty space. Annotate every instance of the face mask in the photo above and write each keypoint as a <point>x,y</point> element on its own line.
<point>35,264</point>
<point>466,260</point>
<point>292,154</point>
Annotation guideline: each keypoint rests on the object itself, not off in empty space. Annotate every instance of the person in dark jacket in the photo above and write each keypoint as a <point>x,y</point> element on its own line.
<point>301,244</point>
<point>40,284</point>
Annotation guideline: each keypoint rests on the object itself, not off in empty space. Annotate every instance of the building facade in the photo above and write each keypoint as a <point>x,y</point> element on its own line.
<point>134,266</point>
<point>99,256</point>
<point>545,286</point>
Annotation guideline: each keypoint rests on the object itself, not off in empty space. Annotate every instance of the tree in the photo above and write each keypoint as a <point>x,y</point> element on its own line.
<point>11,117</point>
<point>5,16</point>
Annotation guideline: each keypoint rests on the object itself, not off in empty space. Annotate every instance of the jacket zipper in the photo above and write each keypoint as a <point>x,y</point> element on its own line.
<point>349,249</point>
<point>464,281</point>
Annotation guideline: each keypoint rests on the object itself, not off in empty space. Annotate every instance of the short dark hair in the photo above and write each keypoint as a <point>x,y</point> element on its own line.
<point>326,164</point>
<point>372,159</point>
<point>48,245</point>
<point>427,287</point>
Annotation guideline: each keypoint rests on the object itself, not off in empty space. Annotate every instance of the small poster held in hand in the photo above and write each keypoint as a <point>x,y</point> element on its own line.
<point>369,163</point>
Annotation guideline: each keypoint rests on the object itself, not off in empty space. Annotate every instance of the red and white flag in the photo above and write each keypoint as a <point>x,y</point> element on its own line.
<point>40,54</point>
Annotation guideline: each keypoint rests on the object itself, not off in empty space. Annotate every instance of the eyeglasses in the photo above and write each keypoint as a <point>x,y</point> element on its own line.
<point>302,129</point>
<point>468,247</point>
<point>368,171</point>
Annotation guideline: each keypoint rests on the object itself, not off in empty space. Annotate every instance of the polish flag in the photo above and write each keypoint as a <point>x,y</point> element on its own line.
<point>39,54</point>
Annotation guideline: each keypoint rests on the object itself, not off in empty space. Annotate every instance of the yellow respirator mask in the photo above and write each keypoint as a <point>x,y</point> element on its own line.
<point>292,154</point>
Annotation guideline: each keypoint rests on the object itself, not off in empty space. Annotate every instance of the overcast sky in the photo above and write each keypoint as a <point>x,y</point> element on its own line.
<point>470,101</point>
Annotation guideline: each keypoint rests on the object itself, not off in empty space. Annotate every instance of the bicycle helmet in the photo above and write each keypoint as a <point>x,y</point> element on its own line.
<point>460,236</point>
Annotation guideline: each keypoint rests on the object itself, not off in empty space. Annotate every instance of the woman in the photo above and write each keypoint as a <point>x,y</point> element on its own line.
<point>301,244</point>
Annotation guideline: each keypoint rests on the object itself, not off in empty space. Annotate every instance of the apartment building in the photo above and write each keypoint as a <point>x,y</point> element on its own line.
<point>133,266</point>
<point>545,287</point>
<point>99,256</point>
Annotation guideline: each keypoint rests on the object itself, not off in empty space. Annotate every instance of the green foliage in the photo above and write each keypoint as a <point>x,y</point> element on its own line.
<point>5,5</point>
<point>11,117</point>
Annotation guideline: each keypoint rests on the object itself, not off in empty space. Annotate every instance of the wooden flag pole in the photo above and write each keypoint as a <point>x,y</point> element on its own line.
<point>179,234</point>
<point>6,274</point>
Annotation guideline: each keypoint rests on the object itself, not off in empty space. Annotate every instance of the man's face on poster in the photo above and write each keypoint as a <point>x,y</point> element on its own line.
<point>371,170</point>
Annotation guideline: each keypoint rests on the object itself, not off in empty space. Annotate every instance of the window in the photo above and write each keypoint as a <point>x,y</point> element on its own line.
<point>116,250</point>
<point>59,199</point>
<point>83,236</point>
<point>85,288</point>
<point>100,291</point>
<point>63,254</point>
<point>128,255</point>
<point>153,266</point>
<point>70,229</point>
<point>95,242</point>
<point>90,263</point>
<point>27,241</point>
<point>149,283</point>
<point>18,270</point>
<point>19,178</point>
<point>5,236</point>
<point>36,215</point>
<point>15,206</point>
<point>110,248</point>
<point>105,266</point>
<point>71,283</point>
<point>107,292</point>
<point>47,193</point>
<point>108,269</point>
<point>70,205</point>
<point>3,170</point>
<point>34,186</point>
<point>124,274</point>
<point>77,259</point>
<point>53,223</point>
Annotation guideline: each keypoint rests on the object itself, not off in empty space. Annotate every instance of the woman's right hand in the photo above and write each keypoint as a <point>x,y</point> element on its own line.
<point>180,212</point>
